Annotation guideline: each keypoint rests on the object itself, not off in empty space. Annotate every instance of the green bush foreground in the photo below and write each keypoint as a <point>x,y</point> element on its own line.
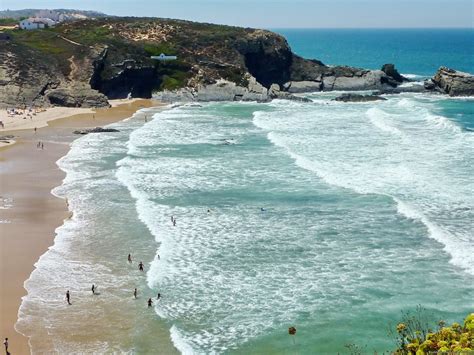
<point>454,339</point>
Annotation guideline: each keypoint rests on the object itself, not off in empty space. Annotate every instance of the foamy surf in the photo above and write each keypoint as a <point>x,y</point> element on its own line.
<point>304,214</point>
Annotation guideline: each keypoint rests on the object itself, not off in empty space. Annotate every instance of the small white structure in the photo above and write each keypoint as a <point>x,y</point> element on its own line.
<point>162,57</point>
<point>34,23</point>
<point>31,24</point>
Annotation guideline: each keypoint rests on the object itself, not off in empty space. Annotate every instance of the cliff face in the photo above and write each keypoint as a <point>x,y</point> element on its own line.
<point>454,83</point>
<point>84,63</point>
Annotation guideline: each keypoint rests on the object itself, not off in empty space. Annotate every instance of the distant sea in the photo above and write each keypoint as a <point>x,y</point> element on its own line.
<point>413,51</point>
<point>331,217</point>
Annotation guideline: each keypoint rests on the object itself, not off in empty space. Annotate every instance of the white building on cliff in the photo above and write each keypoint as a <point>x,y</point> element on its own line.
<point>34,23</point>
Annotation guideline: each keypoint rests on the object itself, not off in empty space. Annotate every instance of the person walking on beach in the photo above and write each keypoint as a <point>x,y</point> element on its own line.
<point>140,266</point>
<point>150,303</point>
<point>135,293</point>
<point>68,297</point>
<point>129,258</point>
<point>36,129</point>
<point>5,342</point>
<point>42,145</point>
<point>93,289</point>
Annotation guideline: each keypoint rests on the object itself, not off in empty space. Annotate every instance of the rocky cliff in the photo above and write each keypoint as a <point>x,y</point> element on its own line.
<point>87,62</point>
<point>452,82</point>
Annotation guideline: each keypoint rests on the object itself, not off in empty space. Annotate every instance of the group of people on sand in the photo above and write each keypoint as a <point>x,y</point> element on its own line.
<point>141,267</point>
<point>40,145</point>
<point>24,112</point>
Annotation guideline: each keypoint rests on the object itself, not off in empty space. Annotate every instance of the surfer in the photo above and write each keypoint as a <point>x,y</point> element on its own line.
<point>262,209</point>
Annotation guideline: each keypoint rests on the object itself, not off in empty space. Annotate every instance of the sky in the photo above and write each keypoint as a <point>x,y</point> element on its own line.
<point>282,13</point>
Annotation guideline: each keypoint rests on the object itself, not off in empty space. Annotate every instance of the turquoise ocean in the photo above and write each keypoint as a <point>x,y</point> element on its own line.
<point>330,217</point>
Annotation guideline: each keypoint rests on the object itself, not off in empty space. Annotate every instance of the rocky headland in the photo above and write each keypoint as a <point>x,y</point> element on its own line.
<point>86,63</point>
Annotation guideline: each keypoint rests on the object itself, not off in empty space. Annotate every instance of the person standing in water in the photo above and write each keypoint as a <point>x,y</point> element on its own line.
<point>158,296</point>
<point>5,342</point>
<point>93,289</point>
<point>150,303</point>
<point>129,258</point>
<point>140,266</point>
<point>174,222</point>
<point>135,293</point>
<point>68,297</point>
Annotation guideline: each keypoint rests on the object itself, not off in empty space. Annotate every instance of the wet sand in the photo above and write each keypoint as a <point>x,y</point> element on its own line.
<point>29,213</point>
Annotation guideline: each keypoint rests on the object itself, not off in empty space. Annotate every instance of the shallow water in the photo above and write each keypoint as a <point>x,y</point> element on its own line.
<point>367,211</point>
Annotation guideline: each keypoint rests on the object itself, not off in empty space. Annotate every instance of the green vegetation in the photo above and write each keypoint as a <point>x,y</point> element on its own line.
<point>8,22</point>
<point>45,40</point>
<point>414,336</point>
<point>157,49</point>
<point>174,75</point>
<point>86,34</point>
<point>235,75</point>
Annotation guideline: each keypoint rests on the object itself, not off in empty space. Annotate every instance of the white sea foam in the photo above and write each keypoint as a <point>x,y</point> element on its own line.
<point>403,170</point>
<point>442,122</point>
<point>461,250</point>
<point>412,76</point>
<point>179,342</point>
<point>382,121</point>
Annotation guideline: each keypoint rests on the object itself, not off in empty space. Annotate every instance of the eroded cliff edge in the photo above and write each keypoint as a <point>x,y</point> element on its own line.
<point>86,63</point>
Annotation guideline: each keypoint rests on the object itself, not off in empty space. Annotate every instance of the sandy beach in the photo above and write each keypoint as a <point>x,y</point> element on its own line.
<point>29,213</point>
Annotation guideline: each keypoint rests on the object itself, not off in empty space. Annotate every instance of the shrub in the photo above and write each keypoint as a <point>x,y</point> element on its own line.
<point>415,337</point>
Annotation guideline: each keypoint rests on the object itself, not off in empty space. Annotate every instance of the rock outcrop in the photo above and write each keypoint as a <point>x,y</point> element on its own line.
<point>454,83</point>
<point>359,98</point>
<point>224,90</point>
<point>313,75</point>
<point>77,96</point>
<point>85,63</point>
<point>393,73</point>
<point>95,130</point>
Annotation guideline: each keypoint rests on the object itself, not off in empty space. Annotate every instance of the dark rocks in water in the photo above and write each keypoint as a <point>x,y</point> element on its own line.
<point>77,97</point>
<point>95,130</point>
<point>429,85</point>
<point>400,89</point>
<point>358,98</point>
<point>390,70</point>
<point>453,82</point>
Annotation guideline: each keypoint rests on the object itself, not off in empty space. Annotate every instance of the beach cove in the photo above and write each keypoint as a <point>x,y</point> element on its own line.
<point>29,211</point>
<point>261,194</point>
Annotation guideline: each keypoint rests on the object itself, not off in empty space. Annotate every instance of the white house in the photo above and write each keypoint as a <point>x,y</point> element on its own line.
<point>34,23</point>
<point>31,24</point>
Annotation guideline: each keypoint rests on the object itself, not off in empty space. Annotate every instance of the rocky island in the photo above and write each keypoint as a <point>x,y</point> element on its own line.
<point>86,63</point>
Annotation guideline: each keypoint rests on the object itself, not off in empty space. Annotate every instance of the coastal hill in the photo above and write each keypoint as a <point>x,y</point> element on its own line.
<point>24,13</point>
<point>84,63</point>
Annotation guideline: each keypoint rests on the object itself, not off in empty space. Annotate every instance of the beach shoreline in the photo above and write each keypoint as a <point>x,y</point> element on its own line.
<point>30,213</point>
